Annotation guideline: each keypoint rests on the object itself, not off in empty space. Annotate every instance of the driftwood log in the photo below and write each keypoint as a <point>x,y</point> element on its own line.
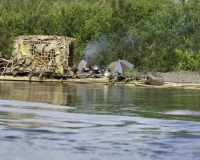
<point>151,80</point>
<point>116,78</point>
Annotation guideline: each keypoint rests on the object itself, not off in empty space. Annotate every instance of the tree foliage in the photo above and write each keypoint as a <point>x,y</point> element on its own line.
<point>161,35</point>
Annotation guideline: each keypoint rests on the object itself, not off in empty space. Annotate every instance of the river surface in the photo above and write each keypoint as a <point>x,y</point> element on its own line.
<point>53,121</point>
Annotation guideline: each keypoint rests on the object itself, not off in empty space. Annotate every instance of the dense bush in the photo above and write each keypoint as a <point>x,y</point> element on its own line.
<point>131,73</point>
<point>154,35</point>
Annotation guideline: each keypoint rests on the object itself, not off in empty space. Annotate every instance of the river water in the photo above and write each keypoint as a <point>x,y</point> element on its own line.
<point>53,121</point>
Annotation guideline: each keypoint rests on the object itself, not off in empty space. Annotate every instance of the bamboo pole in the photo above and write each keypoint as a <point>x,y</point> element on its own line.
<point>5,68</point>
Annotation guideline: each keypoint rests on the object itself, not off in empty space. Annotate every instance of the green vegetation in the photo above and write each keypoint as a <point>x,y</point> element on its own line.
<point>159,35</point>
<point>131,73</point>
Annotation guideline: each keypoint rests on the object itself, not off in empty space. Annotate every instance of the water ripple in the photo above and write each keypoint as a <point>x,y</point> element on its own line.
<point>97,122</point>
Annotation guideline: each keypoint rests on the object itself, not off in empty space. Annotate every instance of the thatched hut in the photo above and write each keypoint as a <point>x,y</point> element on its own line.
<point>40,54</point>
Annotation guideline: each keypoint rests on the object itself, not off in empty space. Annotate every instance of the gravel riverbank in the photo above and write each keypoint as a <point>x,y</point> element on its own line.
<point>179,77</point>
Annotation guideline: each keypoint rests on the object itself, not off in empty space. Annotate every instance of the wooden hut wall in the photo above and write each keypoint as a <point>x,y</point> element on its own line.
<point>48,51</point>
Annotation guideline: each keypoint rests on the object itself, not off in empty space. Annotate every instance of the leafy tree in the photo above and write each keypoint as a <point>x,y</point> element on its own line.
<point>160,35</point>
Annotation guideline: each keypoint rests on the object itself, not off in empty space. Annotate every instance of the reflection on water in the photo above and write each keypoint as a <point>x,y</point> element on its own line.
<point>84,121</point>
<point>54,93</point>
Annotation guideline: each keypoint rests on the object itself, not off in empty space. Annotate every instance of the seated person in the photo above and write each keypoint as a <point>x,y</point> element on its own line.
<point>84,63</point>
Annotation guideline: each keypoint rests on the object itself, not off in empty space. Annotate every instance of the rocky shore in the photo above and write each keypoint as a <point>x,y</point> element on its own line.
<point>180,77</point>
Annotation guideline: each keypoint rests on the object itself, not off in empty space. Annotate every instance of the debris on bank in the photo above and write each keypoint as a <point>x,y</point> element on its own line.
<point>53,57</point>
<point>42,56</point>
